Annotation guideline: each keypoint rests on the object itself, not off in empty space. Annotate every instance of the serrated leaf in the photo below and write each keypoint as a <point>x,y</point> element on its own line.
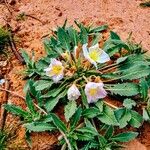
<point>88,130</point>
<point>109,132</point>
<point>84,137</point>
<point>135,72</point>
<point>125,137</point>
<point>83,34</point>
<point>114,35</point>
<point>100,105</point>
<point>129,103</point>
<point>99,29</point>
<point>76,117</point>
<point>54,92</point>
<point>26,57</point>
<point>91,112</point>
<point>84,98</point>
<point>16,110</point>
<point>96,38</point>
<point>107,116</point>
<point>64,39</point>
<point>42,84</point>
<point>70,109</point>
<point>73,35</point>
<point>123,116</point>
<point>30,104</point>
<point>39,126</point>
<point>136,119</point>
<point>144,88</point>
<point>52,102</point>
<point>32,90</point>
<point>58,123</point>
<point>124,89</point>
<point>112,46</point>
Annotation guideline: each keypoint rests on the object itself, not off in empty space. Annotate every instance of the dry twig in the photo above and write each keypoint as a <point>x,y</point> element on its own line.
<point>3,111</point>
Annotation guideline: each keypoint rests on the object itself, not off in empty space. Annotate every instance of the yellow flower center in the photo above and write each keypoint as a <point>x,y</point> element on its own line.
<point>93,91</point>
<point>56,70</point>
<point>94,54</point>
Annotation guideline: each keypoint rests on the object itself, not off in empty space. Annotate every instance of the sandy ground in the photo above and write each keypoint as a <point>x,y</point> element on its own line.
<point>122,17</point>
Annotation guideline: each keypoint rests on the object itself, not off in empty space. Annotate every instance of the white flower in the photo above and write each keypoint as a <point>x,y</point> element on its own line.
<point>73,93</point>
<point>94,91</point>
<point>95,55</point>
<point>55,70</point>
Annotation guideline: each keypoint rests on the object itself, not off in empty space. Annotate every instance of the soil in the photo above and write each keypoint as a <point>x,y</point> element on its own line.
<point>122,17</point>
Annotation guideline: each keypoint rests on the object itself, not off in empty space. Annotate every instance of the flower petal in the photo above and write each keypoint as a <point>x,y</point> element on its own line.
<point>94,47</point>
<point>102,93</point>
<point>73,93</point>
<point>57,78</point>
<point>86,55</point>
<point>94,91</point>
<point>104,57</point>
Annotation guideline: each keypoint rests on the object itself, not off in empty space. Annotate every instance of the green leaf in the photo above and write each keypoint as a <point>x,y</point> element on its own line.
<point>112,46</point>
<point>121,59</point>
<point>70,109</point>
<point>99,29</point>
<point>144,88</point>
<point>114,35</point>
<point>100,105</point>
<point>136,119</point>
<point>58,123</point>
<point>107,116</point>
<point>73,35</point>
<point>52,102</point>
<point>54,92</point>
<point>30,103</point>
<point>136,72</point>
<point>76,117</point>
<point>64,39</point>
<point>26,57</point>
<point>42,84</point>
<point>109,132</point>
<point>96,38</point>
<point>124,89</point>
<point>91,112</point>
<point>123,116</point>
<point>88,130</point>
<point>125,137</point>
<point>84,99</point>
<point>39,126</point>
<point>83,34</point>
<point>129,103</point>
<point>16,110</point>
<point>84,137</point>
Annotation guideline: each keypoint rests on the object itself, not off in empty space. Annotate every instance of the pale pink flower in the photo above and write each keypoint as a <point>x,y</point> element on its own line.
<point>73,93</point>
<point>94,54</point>
<point>55,70</point>
<point>94,91</point>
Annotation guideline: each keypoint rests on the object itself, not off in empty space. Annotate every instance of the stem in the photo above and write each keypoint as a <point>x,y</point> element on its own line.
<point>42,110</point>
<point>67,141</point>
<point>85,79</point>
<point>111,105</point>
<point>109,69</point>
<point>3,111</point>
<point>16,94</point>
<point>112,65</point>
